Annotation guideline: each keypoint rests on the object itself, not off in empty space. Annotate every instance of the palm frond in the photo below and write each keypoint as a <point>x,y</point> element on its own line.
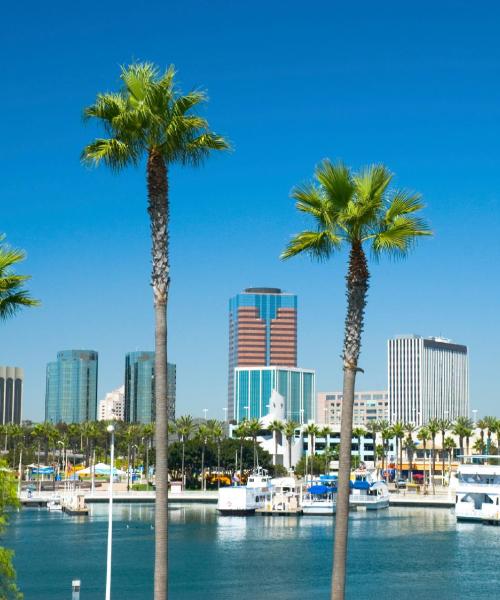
<point>318,244</point>
<point>337,182</point>
<point>197,149</point>
<point>11,304</point>
<point>137,77</point>
<point>399,236</point>
<point>115,153</point>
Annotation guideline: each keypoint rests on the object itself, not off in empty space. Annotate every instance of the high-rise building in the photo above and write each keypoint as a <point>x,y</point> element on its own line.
<point>71,387</point>
<point>253,387</point>
<point>11,395</point>
<point>428,378</point>
<point>140,387</point>
<point>368,406</point>
<point>112,407</point>
<point>262,332</point>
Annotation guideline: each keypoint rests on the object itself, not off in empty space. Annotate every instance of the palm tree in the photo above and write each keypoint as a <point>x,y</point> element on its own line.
<point>358,433</point>
<point>13,296</point>
<point>372,428</point>
<point>449,445</point>
<point>433,427</point>
<point>241,432</point>
<point>216,433</point>
<point>398,430</point>
<point>184,427</point>
<point>311,430</point>
<point>462,429</point>
<point>353,210</point>
<point>203,434</point>
<point>289,431</point>
<point>491,425</point>
<point>325,432</point>
<point>410,447</point>
<point>254,427</point>
<point>387,434</point>
<point>482,424</point>
<point>423,435</point>
<point>444,426</point>
<point>276,427</point>
<point>149,117</point>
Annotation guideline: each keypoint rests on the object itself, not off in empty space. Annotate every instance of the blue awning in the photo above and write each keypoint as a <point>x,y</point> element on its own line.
<point>361,485</point>
<point>319,489</point>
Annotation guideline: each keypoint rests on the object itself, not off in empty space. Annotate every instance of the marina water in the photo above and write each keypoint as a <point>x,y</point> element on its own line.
<point>408,553</point>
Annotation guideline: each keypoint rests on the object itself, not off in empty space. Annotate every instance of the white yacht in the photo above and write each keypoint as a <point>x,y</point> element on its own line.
<point>54,504</point>
<point>245,499</point>
<point>368,493</point>
<point>320,498</point>
<point>478,491</point>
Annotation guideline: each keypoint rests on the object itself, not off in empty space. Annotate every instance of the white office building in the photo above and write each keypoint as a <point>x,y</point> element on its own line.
<point>113,406</point>
<point>428,378</point>
<point>368,406</point>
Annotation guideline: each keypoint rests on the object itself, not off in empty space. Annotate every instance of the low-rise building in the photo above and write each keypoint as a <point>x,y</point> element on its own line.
<point>368,406</point>
<point>112,407</point>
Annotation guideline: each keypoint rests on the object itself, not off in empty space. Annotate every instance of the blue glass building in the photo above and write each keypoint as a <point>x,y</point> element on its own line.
<point>253,387</point>
<point>140,390</point>
<point>71,387</point>
<point>262,332</point>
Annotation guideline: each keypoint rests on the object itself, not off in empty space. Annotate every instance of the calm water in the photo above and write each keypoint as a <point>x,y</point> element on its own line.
<point>414,553</point>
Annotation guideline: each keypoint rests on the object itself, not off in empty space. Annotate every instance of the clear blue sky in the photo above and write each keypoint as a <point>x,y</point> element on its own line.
<point>413,85</point>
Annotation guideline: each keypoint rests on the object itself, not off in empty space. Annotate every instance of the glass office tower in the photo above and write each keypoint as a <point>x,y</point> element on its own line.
<point>262,332</point>
<point>139,387</point>
<point>71,387</point>
<point>253,387</point>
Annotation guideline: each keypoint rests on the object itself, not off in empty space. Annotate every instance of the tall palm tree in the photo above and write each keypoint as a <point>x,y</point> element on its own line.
<point>482,424</point>
<point>359,433</point>
<point>311,430</point>
<point>410,447</point>
<point>241,432</point>
<point>325,432</point>
<point>216,434</point>
<point>353,210</point>
<point>444,426</point>
<point>254,428</point>
<point>276,427</point>
<point>424,436</point>
<point>13,296</point>
<point>461,429</point>
<point>433,427</point>
<point>149,117</point>
<point>449,445</point>
<point>184,427</point>
<point>372,428</point>
<point>203,434</point>
<point>387,434</point>
<point>289,431</point>
<point>398,430</point>
<point>491,425</point>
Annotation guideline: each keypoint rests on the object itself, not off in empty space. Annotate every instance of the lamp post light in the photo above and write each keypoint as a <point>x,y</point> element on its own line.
<point>111,430</point>
<point>224,408</point>
<point>205,411</point>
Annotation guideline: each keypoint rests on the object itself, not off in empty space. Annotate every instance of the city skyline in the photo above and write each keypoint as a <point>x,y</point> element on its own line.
<point>374,105</point>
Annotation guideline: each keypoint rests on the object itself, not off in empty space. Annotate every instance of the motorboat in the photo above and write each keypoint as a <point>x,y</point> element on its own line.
<point>478,491</point>
<point>245,499</point>
<point>367,492</point>
<point>320,497</point>
<point>283,497</point>
<point>54,504</point>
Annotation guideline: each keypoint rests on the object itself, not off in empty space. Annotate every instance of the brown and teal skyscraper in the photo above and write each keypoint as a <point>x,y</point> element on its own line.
<point>262,332</point>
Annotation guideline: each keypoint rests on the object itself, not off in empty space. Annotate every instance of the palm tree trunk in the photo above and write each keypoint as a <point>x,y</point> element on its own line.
<point>202,465</point>
<point>443,433</point>
<point>241,460</point>
<point>433,464</point>
<point>357,288</point>
<point>160,280</point>
<point>182,467</point>
<point>289,440</point>
<point>218,465</point>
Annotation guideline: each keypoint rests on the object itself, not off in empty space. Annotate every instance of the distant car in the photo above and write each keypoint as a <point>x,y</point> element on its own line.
<point>401,484</point>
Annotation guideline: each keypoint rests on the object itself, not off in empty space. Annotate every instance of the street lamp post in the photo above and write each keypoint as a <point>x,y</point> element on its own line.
<point>205,411</point>
<point>111,430</point>
<point>224,408</point>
